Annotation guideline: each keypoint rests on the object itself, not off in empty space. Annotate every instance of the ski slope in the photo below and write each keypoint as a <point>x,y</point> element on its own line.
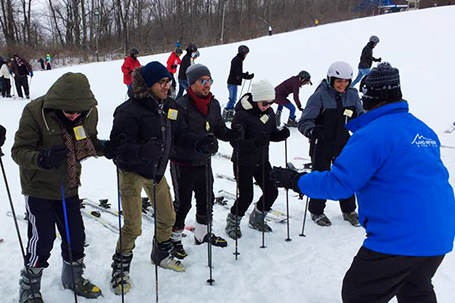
<point>307,269</point>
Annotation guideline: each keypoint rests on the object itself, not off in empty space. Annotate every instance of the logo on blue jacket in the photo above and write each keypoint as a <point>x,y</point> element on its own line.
<point>421,141</point>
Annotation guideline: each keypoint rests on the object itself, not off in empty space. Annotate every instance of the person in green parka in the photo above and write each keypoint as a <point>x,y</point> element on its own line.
<point>56,132</point>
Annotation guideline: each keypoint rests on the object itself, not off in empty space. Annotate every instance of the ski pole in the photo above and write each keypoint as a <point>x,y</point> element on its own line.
<point>155,208</point>
<point>249,85</point>
<point>264,150</point>
<point>241,91</point>
<point>119,205</point>
<point>209,217</point>
<point>27,271</point>
<point>68,240</point>
<point>237,194</point>
<point>287,190</point>
<point>313,160</point>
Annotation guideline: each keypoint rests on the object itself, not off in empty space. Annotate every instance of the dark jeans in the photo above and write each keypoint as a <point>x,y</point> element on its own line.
<point>43,215</point>
<point>185,180</point>
<point>22,81</point>
<point>183,85</point>
<point>316,206</point>
<point>376,278</point>
<point>246,190</point>
<point>6,87</point>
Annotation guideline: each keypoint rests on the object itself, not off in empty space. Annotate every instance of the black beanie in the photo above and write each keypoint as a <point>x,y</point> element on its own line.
<point>382,84</point>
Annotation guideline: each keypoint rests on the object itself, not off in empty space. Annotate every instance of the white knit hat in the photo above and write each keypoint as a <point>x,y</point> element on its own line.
<point>262,90</point>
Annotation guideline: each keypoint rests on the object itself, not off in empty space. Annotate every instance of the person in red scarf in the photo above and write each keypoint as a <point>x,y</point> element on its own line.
<point>202,114</point>
<point>129,64</point>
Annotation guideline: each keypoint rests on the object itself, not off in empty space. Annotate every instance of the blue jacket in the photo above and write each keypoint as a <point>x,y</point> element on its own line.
<point>392,163</point>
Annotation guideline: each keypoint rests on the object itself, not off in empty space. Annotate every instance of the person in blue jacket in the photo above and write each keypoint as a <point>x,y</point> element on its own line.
<point>392,162</point>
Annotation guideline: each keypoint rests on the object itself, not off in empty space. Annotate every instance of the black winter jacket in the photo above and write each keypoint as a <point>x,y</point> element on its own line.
<point>186,62</point>
<point>236,73</point>
<point>366,58</point>
<point>197,125</point>
<point>140,118</point>
<point>254,122</point>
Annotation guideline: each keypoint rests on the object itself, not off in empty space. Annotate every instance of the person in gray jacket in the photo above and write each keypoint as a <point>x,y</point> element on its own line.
<point>332,105</point>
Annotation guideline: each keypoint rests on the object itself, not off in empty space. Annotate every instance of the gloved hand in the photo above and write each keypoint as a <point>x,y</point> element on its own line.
<point>283,134</point>
<point>316,133</point>
<point>261,140</point>
<point>238,132</point>
<point>53,157</point>
<point>285,177</point>
<point>300,108</point>
<point>2,135</point>
<point>108,149</point>
<point>380,59</point>
<point>173,66</point>
<point>152,150</point>
<point>249,76</point>
<point>206,144</point>
<point>31,74</point>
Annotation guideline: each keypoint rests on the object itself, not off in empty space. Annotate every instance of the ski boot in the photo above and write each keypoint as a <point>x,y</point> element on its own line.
<point>292,123</point>
<point>228,115</point>
<point>201,236</point>
<point>120,261</point>
<point>30,285</point>
<point>278,118</point>
<point>321,220</point>
<point>233,226</point>
<point>178,250</point>
<point>257,221</point>
<point>162,255</point>
<point>84,287</point>
<point>352,218</point>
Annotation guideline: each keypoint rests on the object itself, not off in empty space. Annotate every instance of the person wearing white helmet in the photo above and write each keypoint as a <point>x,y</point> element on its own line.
<point>332,105</point>
<point>366,59</point>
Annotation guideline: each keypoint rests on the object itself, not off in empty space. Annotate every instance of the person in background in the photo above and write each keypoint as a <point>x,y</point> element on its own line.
<point>2,136</point>
<point>287,87</point>
<point>323,120</point>
<point>393,164</point>
<point>41,62</point>
<point>235,78</point>
<point>48,62</point>
<point>129,64</point>
<point>5,74</point>
<point>186,62</point>
<point>172,63</point>
<point>366,59</point>
<point>22,69</point>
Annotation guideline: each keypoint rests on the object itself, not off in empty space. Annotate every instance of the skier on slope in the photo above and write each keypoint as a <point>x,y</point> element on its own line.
<point>55,134</point>
<point>172,63</point>
<point>366,59</point>
<point>129,64</point>
<point>187,61</point>
<point>406,203</point>
<point>21,69</point>
<point>282,91</point>
<point>251,157</point>
<point>331,106</point>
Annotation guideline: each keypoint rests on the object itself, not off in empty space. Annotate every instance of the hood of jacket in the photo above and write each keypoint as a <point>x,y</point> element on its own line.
<point>71,92</point>
<point>138,89</point>
<point>247,103</point>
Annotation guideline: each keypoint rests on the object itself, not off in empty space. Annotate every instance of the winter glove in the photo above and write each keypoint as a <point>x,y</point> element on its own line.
<point>108,149</point>
<point>283,134</point>
<point>152,150</point>
<point>173,66</point>
<point>380,59</point>
<point>2,135</point>
<point>285,177</point>
<point>300,108</point>
<point>206,144</point>
<point>238,132</point>
<point>53,157</point>
<point>31,74</point>
<point>249,76</point>
<point>316,133</point>
<point>261,140</point>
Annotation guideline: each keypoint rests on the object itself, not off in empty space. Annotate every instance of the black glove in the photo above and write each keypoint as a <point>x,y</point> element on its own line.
<point>238,132</point>
<point>380,59</point>
<point>249,76</point>
<point>2,135</point>
<point>316,133</point>
<point>108,149</point>
<point>173,66</point>
<point>152,150</point>
<point>300,108</point>
<point>285,177</point>
<point>261,140</point>
<point>206,144</point>
<point>283,134</point>
<point>53,157</point>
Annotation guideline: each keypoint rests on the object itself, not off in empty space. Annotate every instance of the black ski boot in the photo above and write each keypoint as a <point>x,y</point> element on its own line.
<point>178,251</point>
<point>292,123</point>
<point>84,287</point>
<point>201,236</point>
<point>257,221</point>
<point>162,255</point>
<point>120,261</point>
<point>278,118</point>
<point>30,285</point>
<point>233,226</point>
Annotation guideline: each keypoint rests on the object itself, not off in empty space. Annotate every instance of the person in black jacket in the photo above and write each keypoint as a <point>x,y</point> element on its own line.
<point>236,75</point>
<point>186,62</point>
<point>332,105</point>
<point>202,115</point>
<point>144,130</point>
<point>21,69</point>
<point>251,157</point>
<point>366,59</point>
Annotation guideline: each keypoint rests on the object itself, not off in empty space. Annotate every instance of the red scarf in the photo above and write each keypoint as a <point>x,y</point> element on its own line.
<point>202,104</point>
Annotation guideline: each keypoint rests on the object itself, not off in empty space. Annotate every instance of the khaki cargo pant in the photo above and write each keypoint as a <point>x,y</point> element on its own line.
<point>131,185</point>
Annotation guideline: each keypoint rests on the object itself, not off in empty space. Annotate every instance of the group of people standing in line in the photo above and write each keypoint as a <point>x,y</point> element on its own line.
<point>151,129</point>
<point>17,69</point>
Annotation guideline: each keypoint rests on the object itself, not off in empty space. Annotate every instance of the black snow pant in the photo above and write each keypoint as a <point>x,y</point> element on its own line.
<point>43,215</point>
<point>246,191</point>
<point>316,206</point>
<point>6,87</point>
<point>185,180</point>
<point>22,81</point>
<point>376,278</point>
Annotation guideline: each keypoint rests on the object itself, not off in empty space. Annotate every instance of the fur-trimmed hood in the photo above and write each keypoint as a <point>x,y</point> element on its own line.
<point>138,88</point>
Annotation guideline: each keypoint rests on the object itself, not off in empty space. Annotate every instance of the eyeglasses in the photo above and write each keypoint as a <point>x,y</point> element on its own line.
<point>69,112</point>
<point>265,103</point>
<point>165,82</point>
<point>205,81</point>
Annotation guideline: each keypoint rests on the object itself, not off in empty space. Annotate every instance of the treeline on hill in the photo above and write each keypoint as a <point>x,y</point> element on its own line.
<point>89,30</point>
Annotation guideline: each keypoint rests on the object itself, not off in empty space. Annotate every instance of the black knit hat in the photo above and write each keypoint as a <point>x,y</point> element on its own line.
<point>382,84</point>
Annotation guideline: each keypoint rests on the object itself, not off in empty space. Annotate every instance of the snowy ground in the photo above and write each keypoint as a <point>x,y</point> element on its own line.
<point>421,44</point>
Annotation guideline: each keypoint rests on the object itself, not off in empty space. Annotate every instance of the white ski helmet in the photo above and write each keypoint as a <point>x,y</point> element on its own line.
<point>340,70</point>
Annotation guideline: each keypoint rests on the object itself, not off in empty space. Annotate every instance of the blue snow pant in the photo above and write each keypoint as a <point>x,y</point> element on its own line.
<point>291,108</point>
<point>232,96</point>
<point>183,85</point>
<point>362,73</point>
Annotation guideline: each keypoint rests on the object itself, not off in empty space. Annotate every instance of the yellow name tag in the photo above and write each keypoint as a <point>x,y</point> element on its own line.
<point>348,113</point>
<point>79,132</point>
<point>207,126</point>
<point>172,114</point>
<point>265,118</point>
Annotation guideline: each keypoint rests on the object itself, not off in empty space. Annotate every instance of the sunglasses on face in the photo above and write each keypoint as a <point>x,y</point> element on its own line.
<point>205,81</point>
<point>265,103</point>
<point>165,82</point>
<point>69,112</point>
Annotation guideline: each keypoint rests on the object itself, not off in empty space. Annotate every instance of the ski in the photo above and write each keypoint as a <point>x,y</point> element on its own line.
<point>222,155</point>
<point>97,217</point>
<point>451,129</point>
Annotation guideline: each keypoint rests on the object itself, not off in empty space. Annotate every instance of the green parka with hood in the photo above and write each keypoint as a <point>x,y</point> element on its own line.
<point>40,128</point>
